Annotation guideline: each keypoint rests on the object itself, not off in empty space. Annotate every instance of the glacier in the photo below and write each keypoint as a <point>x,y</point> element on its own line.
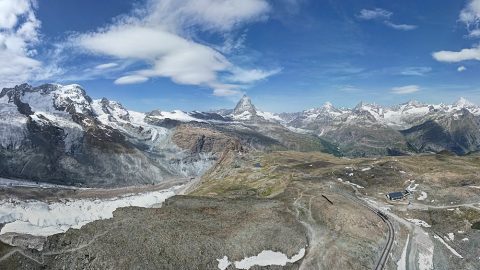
<point>40,218</point>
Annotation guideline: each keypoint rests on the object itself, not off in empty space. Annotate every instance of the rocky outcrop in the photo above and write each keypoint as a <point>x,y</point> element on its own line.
<point>204,140</point>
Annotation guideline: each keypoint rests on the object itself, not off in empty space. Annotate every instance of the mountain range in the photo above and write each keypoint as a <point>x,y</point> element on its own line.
<point>57,133</point>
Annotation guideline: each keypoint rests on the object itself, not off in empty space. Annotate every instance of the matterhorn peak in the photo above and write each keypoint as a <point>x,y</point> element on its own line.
<point>463,102</point>
<point>244,105</point>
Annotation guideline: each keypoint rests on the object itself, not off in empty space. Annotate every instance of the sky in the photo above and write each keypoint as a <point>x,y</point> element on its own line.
<point>287,55</point>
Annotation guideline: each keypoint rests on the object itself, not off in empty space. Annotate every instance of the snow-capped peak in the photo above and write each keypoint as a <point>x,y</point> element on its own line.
<point>463,103</point>
<point>414,103</point>
<point>50,98</point>
<point>328,105</point>
<point>244,105</point>
<point>365,109</point>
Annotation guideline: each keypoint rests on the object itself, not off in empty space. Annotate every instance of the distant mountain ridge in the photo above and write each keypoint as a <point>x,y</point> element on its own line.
<point>373,127</point>
<point>399,116</point>
<point>57,133</point>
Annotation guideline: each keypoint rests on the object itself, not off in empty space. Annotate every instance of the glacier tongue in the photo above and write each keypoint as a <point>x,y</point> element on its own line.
<point>43,219</point>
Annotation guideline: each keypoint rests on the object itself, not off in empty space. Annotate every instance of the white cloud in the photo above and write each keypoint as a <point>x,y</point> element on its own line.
<point>11,10</point>
<point>106,66</point>
<point>461,68</point>
<point>214,15</point>
<point>470,16</point>
<point>384,16</point>
<point>252,75</point>
<point>374,14</point>
<point>348,88</point>
<point>462,55</point>
<point>404,27</point>
<point>232,44</point>
<point>475,33</point>
<point>416,71</point>
<point>223,92</point>
<point>163,36</point>
<point>184,61</point>
<point>131,79</point>
<point>408,89</point>
<point>18,34</point>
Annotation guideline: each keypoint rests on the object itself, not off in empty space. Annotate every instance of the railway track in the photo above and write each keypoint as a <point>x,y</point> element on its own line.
<point>388,247</point>
<point>382,261</point>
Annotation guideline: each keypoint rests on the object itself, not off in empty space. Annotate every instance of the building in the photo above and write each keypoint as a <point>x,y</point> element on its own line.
<point>396,196</point>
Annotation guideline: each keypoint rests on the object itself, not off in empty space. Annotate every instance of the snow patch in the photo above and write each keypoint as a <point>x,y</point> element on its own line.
<point>223,263</point>
<point>353,184</point>
<point>423,196</point>
<point>349,183</point>
<point>268,257</point>
<point>412,187</point>
<point>449,247</point>
<point>419,222</point>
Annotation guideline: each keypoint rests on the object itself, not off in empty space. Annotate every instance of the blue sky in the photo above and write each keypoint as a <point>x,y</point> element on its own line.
<point>288,55</point>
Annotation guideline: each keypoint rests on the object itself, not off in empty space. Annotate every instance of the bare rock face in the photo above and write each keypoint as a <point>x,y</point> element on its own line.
<point>202,140</point>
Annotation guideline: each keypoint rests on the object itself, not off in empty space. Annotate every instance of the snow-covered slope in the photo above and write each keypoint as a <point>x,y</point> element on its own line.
<point>57,133</point>
<point>13,126</point>
<point>401,116</point>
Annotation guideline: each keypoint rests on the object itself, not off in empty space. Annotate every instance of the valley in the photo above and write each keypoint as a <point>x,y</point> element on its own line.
<point>89,184</point>
<point>284,201</point>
